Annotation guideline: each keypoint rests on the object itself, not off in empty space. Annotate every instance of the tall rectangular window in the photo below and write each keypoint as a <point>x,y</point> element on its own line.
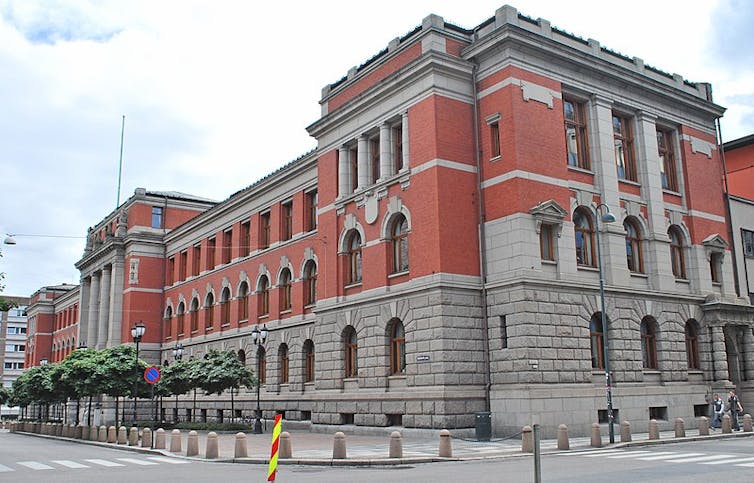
<point>170,276</point>
<point>227,246</point>
<point>264,230</point>
<point>667,160</point>
<point>211,244</point>
<point>374,158</point>
<point>577,146</point>
<point>623,140</point>
<point>398,147</point>
<point>353,159</point>
<point>182,263</point>
<point>156,217</point>
<point>245,238</point>
<point>546,242</point>
<point>495,139</point>
<point>286,227</point>
<point>197,260</point>
<point>311,210</point>
<point>748,242</point>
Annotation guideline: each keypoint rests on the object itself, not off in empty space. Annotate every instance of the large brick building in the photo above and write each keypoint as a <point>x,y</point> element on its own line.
<point>436,255</point>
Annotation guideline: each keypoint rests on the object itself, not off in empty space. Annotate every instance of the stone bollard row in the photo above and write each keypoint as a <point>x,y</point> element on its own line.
<point>133,436</point>
<point>102,436</point>
<point>527,440</point>
<point>93,433</point>
<point>339,446</point>
<point>396,445</point>
<point>747,425</point>
<point>563,442</point>
<point>241,449</point>
<point>286,450</point>
<point>703,426</point>
<point>159,439</point>
<point>654,429</point>
<point>680,428</point>
<point>192,446</point>
<point>112,435</point>
<point>727,425</point>
<point>625,432</point>
<point>445,450</point>
<point>212,451</point>
<point>78,431</point>
<point>175,441</point>
<point>146,438</point>
<point>122,435</point>
<point>596,436</point>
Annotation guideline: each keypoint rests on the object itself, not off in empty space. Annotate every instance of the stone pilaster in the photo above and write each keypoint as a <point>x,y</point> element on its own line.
<point>363,161</point>
<point>748,353</point>
<point>404,143</point>
<point>386,158</point>
<point>344,171</point>
<point>116,303</point>
<point>93,318</point>
<point>104,307</point>
<point>719,356</point>
<point>84,310</point>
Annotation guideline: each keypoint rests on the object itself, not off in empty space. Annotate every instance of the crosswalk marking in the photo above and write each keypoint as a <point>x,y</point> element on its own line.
<point>601,453</point>
<point>699,459</point>
<point>137,462</point>
<point>630,454</point>
<point>667,456</point>
<point>729,461</point>
<point>105,463</point>
<point>4,469</point>
<point>172,461</point>
<point>69,464</point>
<point>747,465</point>
<point>35,465</point>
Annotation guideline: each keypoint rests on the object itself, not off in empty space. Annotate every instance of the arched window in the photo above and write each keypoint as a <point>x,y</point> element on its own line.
<point>308,360</point>
<point>350,352</point>
<point>242,356</point>
<point>209,312</point>
<point>243,301</point>
<point>283,364</point>
<point>225,306</point>
<point>397,348</point>
<point>180,313</point>
<point>354,258</point>
<point>582,223</point>
<point>648,343</point>
<point>168,322</point>
<point>597,340</point>
<point>633,246</point>
<point>676,252</point>
<point>262,365</point>
<point>285,290</point>
<point>399,241</point>
<point>263,296</point>
<point>194,314</point>
<point>692,344</point>
<point>310,283</point>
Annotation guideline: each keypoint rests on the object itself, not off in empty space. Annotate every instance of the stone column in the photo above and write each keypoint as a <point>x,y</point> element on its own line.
<point>104,308</point>
<point>344,171</point>
<point>404,142</point>
<point>719,356</point>
<point>363,161</point>
<point>386,158</point>
<point>748,353</point>
<point>93,318</point>
<point>83,310</point>
<point>116,301</point>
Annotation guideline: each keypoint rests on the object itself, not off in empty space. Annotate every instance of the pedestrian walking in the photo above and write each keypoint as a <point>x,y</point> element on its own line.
<point>718,409</point>
<point>735,408</point>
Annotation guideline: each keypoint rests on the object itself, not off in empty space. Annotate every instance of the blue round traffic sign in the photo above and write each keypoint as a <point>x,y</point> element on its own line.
<point>152,374</point>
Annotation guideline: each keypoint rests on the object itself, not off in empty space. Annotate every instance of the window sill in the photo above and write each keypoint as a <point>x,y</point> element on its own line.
<point>310,306</point>
<point>717,284</point>
<point>208,329</point>
<point>671,192</point>
<point>496,158</point>
<point>639,275</point>
<point>684,281</point>
<point>579,169</point>
<point>554,263</point>
<point>398,376</point>
<point>651,372</point>
<point>263,316</point>
<point>285,312</point>
<point>243,321</point>
<point>398,274</point>
<point>194,331</point>
<point>353,285</point>
<point>225,324</point>
<point>629,182</point>
<point>587,268</point>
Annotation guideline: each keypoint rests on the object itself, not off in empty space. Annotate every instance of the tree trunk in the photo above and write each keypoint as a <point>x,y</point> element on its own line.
<point>193,411</point>
<point>117,401</point>
<point>232,404</point>
<point>89,415</point>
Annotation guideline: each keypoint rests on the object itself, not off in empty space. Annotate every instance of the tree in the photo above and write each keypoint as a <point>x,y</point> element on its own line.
<point>4,395</point>
<point>81,376</point>
<point>218,371</point>
<point>118,373</point>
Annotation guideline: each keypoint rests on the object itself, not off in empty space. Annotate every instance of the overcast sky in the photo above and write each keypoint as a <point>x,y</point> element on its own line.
<point>218,93</point>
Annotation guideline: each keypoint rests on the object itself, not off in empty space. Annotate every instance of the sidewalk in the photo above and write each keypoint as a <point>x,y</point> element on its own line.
<point>312,448</point>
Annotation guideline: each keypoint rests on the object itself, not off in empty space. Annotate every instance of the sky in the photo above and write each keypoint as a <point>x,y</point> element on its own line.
<point>217,94</point>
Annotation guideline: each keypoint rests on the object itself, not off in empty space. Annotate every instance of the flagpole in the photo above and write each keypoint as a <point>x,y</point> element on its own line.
<point>120,162</point>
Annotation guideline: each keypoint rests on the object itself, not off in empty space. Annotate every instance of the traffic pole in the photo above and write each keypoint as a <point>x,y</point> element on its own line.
<point>272,470</point>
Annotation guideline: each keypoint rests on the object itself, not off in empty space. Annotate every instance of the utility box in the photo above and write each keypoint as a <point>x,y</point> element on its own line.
<point>483,426</point>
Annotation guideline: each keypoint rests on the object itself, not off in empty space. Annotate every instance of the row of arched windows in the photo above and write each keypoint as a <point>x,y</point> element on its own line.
<point>62,348</point>
<point>648,330</point>
<point>399,229</point>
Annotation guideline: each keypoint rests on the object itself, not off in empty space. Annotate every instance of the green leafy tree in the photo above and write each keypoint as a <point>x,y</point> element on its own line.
<point>219,371</point>
<point>20,395</point>
<point>4,395</point>
<point>82,377</point>
<point>118,371</point>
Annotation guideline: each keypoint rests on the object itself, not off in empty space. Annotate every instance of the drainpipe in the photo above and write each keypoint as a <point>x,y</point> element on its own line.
<point>482,244</point>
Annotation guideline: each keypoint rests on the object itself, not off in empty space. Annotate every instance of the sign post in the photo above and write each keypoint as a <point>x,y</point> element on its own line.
<point>152,375</point>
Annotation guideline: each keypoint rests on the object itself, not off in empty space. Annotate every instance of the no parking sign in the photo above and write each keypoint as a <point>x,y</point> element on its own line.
<point>152,374</point>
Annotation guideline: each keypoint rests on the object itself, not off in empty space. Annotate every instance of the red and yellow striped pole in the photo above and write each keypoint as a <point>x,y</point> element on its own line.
<point>272,470</point>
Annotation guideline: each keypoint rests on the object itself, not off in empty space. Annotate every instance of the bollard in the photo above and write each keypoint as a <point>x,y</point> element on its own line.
<point>93,433</point>
<point>60,428</point>
<point>727,427</point>
<point>122,438</point>
<point>146,438</point>
<point>625,432</point>
<point>596,436</point>
<point>396,445</point>
<point>703,426</point>
<point>563,442</point>
<point>84,432</point>
<point>102,436</point>
<point>211,452</point>
<point>241,450</point>
<point>747,423</point>
<point>78,432</point>
<point>159,439</point>
<point>527,440</point>
<point>133,436</point>
<point>192,446</point>
<point>339,446</point>
<point>112,434</point>
<point>175,441</point>
<point>654,429</point>
<point>680,428</point>
<point>286,450</point>
<point>445,450</point>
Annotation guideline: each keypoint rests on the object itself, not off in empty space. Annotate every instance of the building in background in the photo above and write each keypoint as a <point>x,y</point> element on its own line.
<point>739,160</point>
<point>13,329</point>
<point>53,323</point>
<point>435,258</point>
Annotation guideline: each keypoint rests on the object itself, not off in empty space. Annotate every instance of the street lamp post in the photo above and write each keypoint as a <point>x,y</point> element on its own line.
<point>137,332</point>
<point>606,218</point>
<point>259,337</point>
<point>43,362</point>
<point>177,355</point>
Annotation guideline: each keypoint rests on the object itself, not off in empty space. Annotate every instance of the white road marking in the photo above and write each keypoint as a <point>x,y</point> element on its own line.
<point>34,465</point>
<point>137,462</point>
<point>594,454</point>
<point>699,459</point>
<point>631,454</point>
<point>666,455</point>
<point>172,461</point>
<point>730,461</point>
<point>4,469</point>
<point>105,463</point>
<point>69,464</point>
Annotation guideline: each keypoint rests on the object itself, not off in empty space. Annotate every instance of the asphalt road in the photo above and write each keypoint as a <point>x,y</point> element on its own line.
<point>31,459</point>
